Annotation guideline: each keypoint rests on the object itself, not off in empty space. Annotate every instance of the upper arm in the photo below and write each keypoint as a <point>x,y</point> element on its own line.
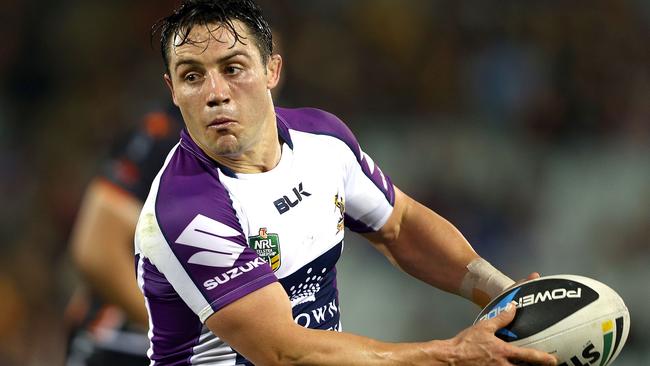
<point>391,228</point>
<point>424,244</point>
<point>390,231</point>
<point>259,325</point>
<point>105,222</point>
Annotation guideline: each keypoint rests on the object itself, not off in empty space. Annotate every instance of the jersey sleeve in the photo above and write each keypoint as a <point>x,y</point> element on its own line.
<point>189,231</point>
<point>137,157</point>
<point>369,193</point>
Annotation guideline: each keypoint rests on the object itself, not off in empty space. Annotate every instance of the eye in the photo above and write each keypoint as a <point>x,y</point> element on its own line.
<point>232,70</point>
<point>191,77</point>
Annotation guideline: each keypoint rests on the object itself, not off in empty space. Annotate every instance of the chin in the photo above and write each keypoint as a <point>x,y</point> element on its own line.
<point>227,149</point>
<point>227,144</point>
<point>229,153</point>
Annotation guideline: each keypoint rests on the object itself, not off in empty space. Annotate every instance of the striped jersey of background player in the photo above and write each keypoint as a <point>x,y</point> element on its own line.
<point>106,315</point>
<point>237,242</point>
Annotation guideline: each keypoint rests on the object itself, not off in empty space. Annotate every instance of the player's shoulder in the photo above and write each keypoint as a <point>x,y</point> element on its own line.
<point>188,178</point>
<point>318,122</point>
<point>189,187</point>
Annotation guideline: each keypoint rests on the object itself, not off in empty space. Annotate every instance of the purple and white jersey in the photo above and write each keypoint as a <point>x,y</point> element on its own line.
<point>208,236</point>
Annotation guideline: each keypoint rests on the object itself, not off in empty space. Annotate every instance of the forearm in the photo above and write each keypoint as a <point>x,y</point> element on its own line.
<point>260,326</point>
<point>114,280</point>
<point>272,337</point>
<point>315,347</point>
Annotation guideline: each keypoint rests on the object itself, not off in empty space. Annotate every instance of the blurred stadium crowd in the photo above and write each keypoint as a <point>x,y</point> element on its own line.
<point>525,123</point>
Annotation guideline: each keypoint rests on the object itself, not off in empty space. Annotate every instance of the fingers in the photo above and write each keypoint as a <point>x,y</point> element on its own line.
<point>530,356</point>
<point>533,276</point>
<point>504,318</point>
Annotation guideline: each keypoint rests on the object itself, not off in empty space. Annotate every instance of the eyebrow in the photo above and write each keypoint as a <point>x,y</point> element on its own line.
<point>226,57</point>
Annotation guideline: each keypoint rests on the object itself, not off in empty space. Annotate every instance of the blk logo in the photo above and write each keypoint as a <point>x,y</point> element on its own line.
<point>285,203</point>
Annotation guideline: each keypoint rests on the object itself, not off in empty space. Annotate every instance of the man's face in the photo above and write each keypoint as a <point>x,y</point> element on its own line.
<point>223,91</point>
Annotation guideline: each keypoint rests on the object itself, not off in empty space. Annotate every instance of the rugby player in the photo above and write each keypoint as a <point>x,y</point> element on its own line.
<point>237,242</point>
<point>107,317</point>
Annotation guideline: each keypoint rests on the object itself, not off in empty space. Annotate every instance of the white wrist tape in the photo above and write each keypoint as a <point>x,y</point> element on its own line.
<point>482,276</point>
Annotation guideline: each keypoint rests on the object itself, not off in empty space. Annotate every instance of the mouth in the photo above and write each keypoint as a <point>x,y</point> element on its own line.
<point>221,123</point>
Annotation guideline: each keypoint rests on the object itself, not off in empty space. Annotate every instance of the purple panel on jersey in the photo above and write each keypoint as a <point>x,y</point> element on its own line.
<point>356,225</point>
<point>176,329</point>
<point>320,122</point>
<point>188,144</point>
<point>196,217</point>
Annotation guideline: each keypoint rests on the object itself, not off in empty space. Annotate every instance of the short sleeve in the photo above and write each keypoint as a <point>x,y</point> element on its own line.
<point>369,195</point>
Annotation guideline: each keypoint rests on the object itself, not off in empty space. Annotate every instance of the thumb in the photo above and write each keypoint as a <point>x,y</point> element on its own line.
<point>504,318</point>
<point>533,276</point>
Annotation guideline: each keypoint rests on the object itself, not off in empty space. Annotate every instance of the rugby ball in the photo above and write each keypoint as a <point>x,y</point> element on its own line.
<point>579,320</point>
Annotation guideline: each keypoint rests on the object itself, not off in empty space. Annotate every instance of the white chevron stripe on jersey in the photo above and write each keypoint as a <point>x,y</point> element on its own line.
<point>372,166</point>
<point>206,233</point>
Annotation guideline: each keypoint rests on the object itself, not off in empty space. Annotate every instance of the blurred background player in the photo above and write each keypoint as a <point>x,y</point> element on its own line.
<point>107,317</point>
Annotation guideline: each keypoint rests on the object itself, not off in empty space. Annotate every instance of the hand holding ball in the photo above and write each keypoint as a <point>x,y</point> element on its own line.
<point>579,320</point>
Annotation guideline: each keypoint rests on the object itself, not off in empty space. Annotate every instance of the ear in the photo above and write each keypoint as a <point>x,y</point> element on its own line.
<point>168,81</point>
<point>273,71</point>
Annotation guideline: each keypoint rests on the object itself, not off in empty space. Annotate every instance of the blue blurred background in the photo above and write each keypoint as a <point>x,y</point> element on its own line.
<point>525,123</point>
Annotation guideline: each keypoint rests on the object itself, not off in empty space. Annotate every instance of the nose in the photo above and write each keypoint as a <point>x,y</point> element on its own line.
<point>219,90</point>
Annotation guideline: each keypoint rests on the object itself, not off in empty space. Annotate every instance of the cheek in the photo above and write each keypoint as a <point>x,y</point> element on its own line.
<point>190,92</point>
<point>251,82</point>
<point>189,97</point>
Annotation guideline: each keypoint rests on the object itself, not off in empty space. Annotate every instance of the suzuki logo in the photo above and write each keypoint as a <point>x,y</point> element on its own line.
<point>213,237</point>
<point>285,204</point>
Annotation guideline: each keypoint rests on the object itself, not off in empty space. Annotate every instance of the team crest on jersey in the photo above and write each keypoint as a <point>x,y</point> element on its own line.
<point>339,204</point>
<point>267,246</point>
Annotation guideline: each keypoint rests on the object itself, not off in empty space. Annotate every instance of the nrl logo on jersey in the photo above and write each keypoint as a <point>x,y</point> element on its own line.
<point>267,246</point>
<point>339,204</point>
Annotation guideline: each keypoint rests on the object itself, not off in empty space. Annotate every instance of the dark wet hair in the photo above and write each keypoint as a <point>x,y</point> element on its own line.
<point>193,13</point>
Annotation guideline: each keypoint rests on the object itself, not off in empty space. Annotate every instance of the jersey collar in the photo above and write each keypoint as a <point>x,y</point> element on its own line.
<point>188,144</point>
